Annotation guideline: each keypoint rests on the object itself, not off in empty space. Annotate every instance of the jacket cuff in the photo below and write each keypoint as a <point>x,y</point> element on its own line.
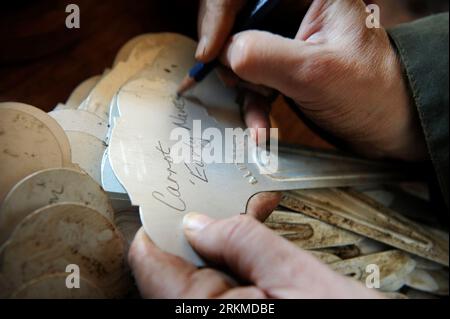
<point>423,48</point>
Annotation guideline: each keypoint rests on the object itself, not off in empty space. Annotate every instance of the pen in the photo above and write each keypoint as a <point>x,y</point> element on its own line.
<point>259,11</point>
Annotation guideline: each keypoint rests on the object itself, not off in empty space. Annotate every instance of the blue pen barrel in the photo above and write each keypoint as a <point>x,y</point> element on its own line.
<point>201,70</point>
<point>255,13</point>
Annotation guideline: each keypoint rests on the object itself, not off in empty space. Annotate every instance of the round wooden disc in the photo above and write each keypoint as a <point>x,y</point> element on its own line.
<point>50,186</point>
<point>124,53</point>
<point>99,99</point>
<point>81,121</point>
<point>58,235</point>
<point>48,121</point>
<point>27,145</point>
<point>164,75</point>
<point>54,287</point>
<point>87,152</point>
<point>81,92</point>
<point>61,106</point>
<point>150,40</point>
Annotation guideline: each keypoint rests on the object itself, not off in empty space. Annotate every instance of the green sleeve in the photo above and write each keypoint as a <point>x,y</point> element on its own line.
<point>423,48</point>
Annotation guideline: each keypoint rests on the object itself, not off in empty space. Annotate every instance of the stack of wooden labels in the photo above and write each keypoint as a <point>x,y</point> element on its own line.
<point>356,230</point>
<point>55,219</point>
<point>59,229</point>
<point>63,207</point>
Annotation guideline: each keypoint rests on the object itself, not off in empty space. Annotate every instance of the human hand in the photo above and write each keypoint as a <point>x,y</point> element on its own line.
<point>270,266</point>
<point>345,77</point>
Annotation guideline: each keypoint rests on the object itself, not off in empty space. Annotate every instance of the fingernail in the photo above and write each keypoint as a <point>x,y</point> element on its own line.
<point>201,48</point>
<point>195,222</point>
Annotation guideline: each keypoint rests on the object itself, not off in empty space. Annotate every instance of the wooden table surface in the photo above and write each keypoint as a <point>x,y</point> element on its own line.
<point>41,61</point>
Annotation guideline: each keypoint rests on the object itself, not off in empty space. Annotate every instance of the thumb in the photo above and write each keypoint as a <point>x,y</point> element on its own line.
<point>248,249</point>
<point>259,256</point>
<point>267,59</point>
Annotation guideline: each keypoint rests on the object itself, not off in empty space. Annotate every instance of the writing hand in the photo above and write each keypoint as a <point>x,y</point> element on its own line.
<point>344,76</point>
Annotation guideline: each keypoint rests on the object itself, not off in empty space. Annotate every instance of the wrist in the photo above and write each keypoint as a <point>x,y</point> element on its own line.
<point>385,121</point>
<point>400,133</point>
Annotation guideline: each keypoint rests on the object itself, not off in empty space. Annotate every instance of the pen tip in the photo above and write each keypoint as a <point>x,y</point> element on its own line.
<point>185,85</point>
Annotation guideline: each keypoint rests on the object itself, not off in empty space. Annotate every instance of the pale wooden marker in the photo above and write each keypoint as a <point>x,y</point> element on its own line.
<point>432,281</point>
<point>99,99</point>
<point>48,121</point>
<point>58,235</point>
<point>425,264</point>
<point>149,40</point>
<point>81,121</point>
<point>87,152</point>
<point>358,213</point>
<point>50,186</point>
<point>309,233</point>
<point>61,106</point>
<point>54,287</point>
<point>79,94</point>
<point>394,267</point>
<point>137,55</point>
<point>82,91</point>
<point>326,258</point>
<point>135,103</point>
<point>368,247</point>
<point>343,252</point>
<point>27,145</point>
<point>163,78</point>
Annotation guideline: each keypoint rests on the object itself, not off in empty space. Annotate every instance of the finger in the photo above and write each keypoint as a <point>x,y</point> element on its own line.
<point>256,104</point>
<point>251,251</point>
<point>256,116</point>
<point>161,275</point>
<point>312,22</point>
<point>271,60</point>
<point>262,205</point>
<point>229,79</point>
<point>216,20</point>
<point>244,293</point>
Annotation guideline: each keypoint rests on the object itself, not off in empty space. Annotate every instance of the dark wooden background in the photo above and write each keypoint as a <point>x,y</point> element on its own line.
<point>41,61</point>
